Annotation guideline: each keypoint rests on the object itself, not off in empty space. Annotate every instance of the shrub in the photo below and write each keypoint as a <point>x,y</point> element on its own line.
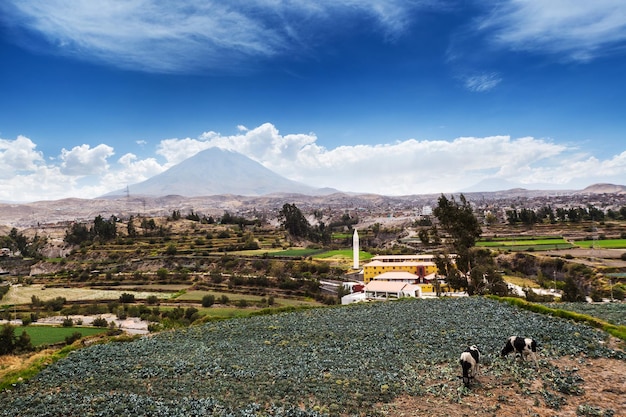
<point>27,319</point>
<point>72,338</point>
<point>208,300</point>
<point>127,298</point>
<point>68,322</point>
<point>100,322</point>
<point>152,300</point>
<point>56,304</point>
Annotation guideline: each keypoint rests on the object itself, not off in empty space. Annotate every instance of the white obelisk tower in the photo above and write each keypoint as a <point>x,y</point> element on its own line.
<point>355,249</point>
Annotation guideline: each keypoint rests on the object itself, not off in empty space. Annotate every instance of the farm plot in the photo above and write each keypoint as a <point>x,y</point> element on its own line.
<point>48,335</point>
<point>610,312</point>
<point>23,294</point>
<point>602,243</point>
<point>525,244</point>
<point>331,361</point>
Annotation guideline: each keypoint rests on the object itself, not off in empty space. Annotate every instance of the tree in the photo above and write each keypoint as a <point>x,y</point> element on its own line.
<point>130,228</point>
<point>292,219</point>
<point>571,291</point>
<point>77,234</point>
<point>446,268</point>
<point>127,298</point>
<point>459,222</point>
<point>208,300</point>
<point>423,235</point>
<point>105,229</point>
<point>7,339</point>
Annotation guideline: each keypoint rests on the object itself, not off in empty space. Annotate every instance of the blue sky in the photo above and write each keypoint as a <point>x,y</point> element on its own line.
<point>392,97</point>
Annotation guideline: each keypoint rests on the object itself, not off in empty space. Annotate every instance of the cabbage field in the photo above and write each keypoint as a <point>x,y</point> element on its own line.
<point>325,361</point>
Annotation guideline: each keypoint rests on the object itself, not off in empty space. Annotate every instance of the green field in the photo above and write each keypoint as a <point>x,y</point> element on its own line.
<point>603,244</point>
<point>523,243</point>
<point>296,252</point>
<point>321,362</point>
<point>343,253</point>
<point>48,335</point>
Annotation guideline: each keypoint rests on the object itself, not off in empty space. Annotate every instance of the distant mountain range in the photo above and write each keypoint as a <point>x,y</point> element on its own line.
<point>217,171</point>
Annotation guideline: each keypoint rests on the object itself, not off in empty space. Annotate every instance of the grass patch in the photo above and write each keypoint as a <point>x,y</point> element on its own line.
<point>522,282</point>
<point>344,253</point>
<point>604,244</point>
<point>294,253</point>
<point>49,335</point>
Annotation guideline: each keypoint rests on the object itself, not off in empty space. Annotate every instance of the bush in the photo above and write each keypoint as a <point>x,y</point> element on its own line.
<point>152,300</point>
<point>56,304</point>
<point>68,322</point>
<point>127,298</point>
<point>27,319</point>
<point>208,300</point>
<point>72,338</point>
<point>100,322</point>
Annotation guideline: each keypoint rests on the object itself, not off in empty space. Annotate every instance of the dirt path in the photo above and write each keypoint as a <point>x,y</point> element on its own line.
<point>604,389</point>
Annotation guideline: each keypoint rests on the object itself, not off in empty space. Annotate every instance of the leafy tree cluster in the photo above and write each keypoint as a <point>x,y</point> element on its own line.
<point>457,219</point>
<point>17,242</point>
<point>572,215</point>
<point>228,218</point>
<point>9,343</point>
<point>346,220</point>
<point>54,304</point>
<point>480,273</point>
<point>101,229</point>
<point>294,222</point>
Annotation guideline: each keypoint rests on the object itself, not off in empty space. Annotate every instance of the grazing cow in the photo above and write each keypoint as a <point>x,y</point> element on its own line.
<point>469,361</point>
<point>522,347</point>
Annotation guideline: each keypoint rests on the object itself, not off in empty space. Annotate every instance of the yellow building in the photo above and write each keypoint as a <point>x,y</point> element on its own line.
<point>419,265</point>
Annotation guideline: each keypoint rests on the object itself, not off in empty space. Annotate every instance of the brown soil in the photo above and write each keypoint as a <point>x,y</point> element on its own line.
<point>604,388</point>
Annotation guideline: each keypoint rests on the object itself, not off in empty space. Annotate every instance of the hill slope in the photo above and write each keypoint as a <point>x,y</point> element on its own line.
<point>216,171</point>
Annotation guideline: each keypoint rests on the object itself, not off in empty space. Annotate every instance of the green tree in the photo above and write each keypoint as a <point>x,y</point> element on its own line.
<point>127,298</point>
<point>171,250</point>
<point>77,234</point>
<point>208,300</point>
<point>7,339</point>
<point>423,235</point>
<point>23,343</point>
<point>571,291</point>
<point>457,219</point>
<point>130,227</point>
<point>292,219</point>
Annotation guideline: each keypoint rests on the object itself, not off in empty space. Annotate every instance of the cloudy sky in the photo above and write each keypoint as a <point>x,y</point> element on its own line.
<point>384,96</point>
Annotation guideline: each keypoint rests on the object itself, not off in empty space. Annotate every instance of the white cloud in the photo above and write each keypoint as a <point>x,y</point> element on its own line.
<point>405,167</point>
<point>83,160</point>
<point>18,155</point>
<point>580,29</point>
<point>480,83</point>
<point>152,35</point>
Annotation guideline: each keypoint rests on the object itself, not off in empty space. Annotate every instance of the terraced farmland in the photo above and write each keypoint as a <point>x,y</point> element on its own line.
<point>525,243</point>
<point>358,360</point>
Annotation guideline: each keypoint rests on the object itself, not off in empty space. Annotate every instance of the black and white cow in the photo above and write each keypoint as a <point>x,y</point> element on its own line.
<point>470,360</point>
<point>521,346</point>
